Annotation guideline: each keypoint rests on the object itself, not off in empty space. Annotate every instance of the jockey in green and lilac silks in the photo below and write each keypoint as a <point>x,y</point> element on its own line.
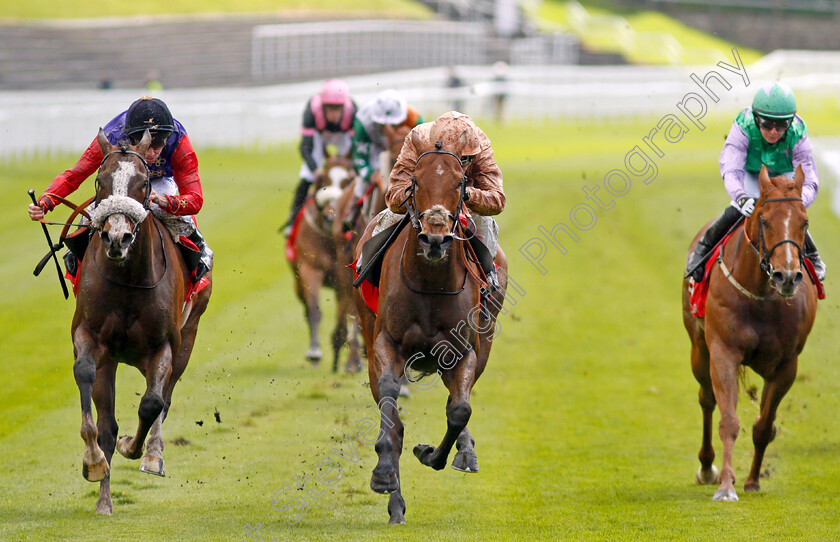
<point>769,133</point>
<point>173,170</point>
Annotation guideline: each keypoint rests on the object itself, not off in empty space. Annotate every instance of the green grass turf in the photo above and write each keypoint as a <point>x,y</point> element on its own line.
<point>48,9</point>
<point>586,420</point>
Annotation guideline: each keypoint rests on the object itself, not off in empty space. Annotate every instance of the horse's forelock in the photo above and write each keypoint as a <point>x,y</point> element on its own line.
<point>438,216</point>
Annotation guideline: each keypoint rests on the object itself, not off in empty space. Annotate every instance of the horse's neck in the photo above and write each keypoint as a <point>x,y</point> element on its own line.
<point>744,263</point>
<point>447,275</point>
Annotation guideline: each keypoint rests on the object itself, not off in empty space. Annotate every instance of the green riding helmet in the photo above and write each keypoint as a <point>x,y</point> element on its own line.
<point>775,101</point>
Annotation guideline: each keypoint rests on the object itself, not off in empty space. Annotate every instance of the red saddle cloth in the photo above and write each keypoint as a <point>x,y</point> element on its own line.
<point>291,240</point>
<point>370,293</point>
<point>699,291</point>
<point>192,287</point>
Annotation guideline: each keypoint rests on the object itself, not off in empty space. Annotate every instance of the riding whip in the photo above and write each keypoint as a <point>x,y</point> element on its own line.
<point>53,249</point>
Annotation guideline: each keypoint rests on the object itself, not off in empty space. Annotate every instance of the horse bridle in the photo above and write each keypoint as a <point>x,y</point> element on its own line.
<point>147,183</point>
<point>410,201</point>
<point>762,251</point>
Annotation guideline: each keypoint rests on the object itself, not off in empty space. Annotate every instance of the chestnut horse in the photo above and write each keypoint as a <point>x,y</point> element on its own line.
<point>759,312</point>
<point>430,320</point>
<point>130,309</point>
<point>316,265</point>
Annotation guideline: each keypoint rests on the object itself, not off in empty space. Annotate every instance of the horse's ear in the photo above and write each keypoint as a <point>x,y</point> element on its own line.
<point>145,141</point>
<point>104,144</point>
<point>764,180</point>
<point>799,178</point>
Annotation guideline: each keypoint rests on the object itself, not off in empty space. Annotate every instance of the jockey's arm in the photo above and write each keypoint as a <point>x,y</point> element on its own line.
<point>361,151</point>
<point>68,182</point>
<point>733,159</point>
<point>307,140</point>
<point>803,156</point>
<point>401,175</point>
<point>486,196</point>
<point>190,196</point>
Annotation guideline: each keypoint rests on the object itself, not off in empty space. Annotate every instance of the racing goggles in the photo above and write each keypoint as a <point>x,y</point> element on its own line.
<point>766,123</point>
<point>158,139</point>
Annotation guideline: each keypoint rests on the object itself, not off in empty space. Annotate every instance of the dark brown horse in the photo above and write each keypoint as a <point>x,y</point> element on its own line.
<point>130,309</point>
<point>430,320</point>
<point>316,265</point>
<point>759,312</point>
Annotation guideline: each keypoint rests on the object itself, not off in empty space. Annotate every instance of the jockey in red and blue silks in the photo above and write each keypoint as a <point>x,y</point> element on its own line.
<point>327,120</point>
<point>173,171</point>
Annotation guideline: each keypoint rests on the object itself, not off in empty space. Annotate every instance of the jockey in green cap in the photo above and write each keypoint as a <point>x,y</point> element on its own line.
<point>769,133</point>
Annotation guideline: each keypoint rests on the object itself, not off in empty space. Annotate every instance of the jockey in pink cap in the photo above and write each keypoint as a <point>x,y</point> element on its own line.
<point>327,120</point>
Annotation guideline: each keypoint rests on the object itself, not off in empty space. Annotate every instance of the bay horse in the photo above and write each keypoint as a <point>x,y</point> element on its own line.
<point>430,320</point>
<point>130,309</point>
<point>316,265</point>
<point>759,312</point>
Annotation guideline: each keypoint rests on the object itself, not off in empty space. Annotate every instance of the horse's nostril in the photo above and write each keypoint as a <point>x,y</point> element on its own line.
<point>797,278</point>
<point>126,239</point>
<point>104,236</point>
<point>424,239</point>
<point>777,277</point>
<point>447,240</point>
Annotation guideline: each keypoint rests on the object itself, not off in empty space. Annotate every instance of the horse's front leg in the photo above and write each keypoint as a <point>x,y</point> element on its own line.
<point>95,466</point>
<point>764,430</point>
<point>158,372</point>
<point>460,381</point>
<point>386,475</point>
<point>724,373</point>
<point>106,422</point>
<point>311,281</point>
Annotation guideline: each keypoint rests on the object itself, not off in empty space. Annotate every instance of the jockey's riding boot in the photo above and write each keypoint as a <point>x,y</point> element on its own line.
<point>715,232</point>
<point>810,252</point>
<point>206,262</point>
<point>297,203</point>
<point>71,263</point>
<point>350,220</point>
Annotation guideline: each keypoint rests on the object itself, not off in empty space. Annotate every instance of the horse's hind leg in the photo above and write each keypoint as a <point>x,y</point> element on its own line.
<point>152,462</point>
<point>339,336</point>
<point>764,429</point>
<point>707,474</point>
<point>459,381</point>
<point>158,372</point>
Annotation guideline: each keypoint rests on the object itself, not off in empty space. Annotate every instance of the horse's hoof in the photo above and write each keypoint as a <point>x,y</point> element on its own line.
<point>725,495</point>
<point>751,486</point>
<point>465,462</point>
<point>152,465</point>
<point>104,506</point>
<point>397,520</point>
<point>96,472</point>
<point>425,453</point>
<point>384,482</point>
<point>710,477</point>
<point>353,367</point>
<point>124,447</point>
<point>314,355</point>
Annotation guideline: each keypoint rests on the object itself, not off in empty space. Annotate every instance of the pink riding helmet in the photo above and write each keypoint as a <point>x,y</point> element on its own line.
<point>335,92</point>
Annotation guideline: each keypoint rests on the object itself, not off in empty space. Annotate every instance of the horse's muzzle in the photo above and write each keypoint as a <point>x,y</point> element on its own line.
<point>434,246</point>
<point>116,246</point>
<point>785,282</point>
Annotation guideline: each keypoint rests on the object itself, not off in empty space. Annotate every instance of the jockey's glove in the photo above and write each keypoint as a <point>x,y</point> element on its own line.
<point>746,206</point>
